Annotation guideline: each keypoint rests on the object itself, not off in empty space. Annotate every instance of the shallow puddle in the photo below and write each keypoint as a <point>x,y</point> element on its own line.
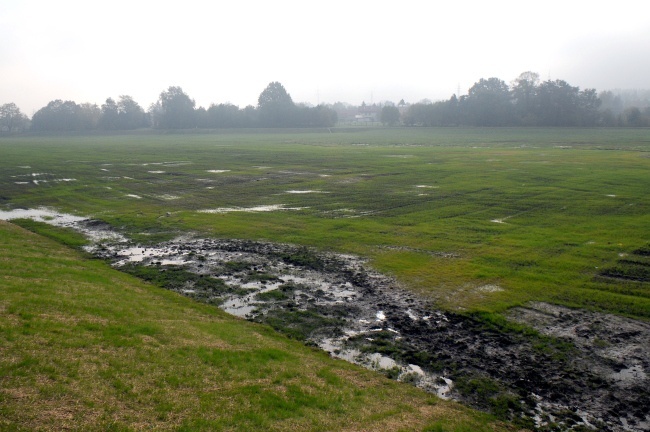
<point>255,209</point>
<point>77,223</point>
<point>41,214</point>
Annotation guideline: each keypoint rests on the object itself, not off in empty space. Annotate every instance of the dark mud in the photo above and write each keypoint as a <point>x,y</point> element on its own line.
<point>576,370</point>
<point>544,367</point>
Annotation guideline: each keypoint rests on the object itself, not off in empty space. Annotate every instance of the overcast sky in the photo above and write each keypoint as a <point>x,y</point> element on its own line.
<point>322,51</point>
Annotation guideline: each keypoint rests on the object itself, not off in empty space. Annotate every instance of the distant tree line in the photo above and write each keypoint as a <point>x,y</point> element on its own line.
<point>59,115</point>
<point>275,108</point>
<point>489,102</point>
<point>625,108</point>
<point>174,109</point>
<point>526,102</point>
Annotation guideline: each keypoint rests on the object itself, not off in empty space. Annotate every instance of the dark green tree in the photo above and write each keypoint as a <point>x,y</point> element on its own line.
<point>325,116</point>
<point>389,115</point>
<point>174,110</point>
<point>420,114</point>
<point>109,115</point>
<point>250,116</point>
<point>524,95</point>
<point>558,104</point>
<point>588,104</point>
<point>319,116</point>
<point>442,113</point>
<point>225,116</point>
<point>201,119</point>
<point>488,103</point>
<point>131,115</point>
<point>276,108</point>
<point>57,115</point>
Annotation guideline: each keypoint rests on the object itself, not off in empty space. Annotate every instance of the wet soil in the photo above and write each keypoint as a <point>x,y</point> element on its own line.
<point>578,369</point>
<point>545,367</point>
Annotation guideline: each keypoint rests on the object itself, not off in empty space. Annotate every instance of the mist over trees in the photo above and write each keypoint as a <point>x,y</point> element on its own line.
<point>625,107</point>
<point>59,115</point>
<point>389,115</point>
<point>65,116</point>
<point>526,101</point>
<point>275,106</point>
<point>125,114</point>
<point>176,110</point>
<point>12,120</point>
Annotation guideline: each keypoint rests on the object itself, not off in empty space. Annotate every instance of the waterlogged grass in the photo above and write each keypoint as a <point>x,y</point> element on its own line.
<point>85,347</point>
<point>536,213</point>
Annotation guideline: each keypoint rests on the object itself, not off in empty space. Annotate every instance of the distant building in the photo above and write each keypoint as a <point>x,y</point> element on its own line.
<point>367,113</point>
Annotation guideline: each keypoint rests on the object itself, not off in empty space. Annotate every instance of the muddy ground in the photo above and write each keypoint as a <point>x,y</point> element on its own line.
<point>563,369</point>
<point>581,370</point>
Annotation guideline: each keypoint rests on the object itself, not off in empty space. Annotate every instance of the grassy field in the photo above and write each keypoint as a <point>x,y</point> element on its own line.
<point>85,347</point>
<point>477,219</point>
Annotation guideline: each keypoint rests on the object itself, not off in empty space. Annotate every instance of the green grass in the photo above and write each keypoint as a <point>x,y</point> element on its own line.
<point>61,235</point>
<point>85,347</point>
<point>421,203</point>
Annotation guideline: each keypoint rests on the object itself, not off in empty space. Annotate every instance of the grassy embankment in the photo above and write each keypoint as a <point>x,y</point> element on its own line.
<point>85,347</point>
<point>479,219</point>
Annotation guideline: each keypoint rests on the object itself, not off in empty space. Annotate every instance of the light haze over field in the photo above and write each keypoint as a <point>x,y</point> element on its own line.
<point>350,51</point>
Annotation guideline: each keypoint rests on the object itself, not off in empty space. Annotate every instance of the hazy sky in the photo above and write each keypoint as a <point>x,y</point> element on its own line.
<point>353,50</point>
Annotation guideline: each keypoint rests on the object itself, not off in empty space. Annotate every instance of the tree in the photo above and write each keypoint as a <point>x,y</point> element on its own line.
<point>558,104</point>
<point>130,113</point>
<point>441,113</point>
<point>319,116</point>
<point>389,115</point>
<point>109,115</point>
<point>488,103</point>
<point>57,115</point>
<point>174,110</point>
<point>588,104</point>
<point>634,117</point>
<point>419,114</point>
<point>276,108</point>
<point>201,119</point>
<point>87,116</point>
<point>225,116</point>
<point>325,116</point>
<point>274,95</point>
<point>524,95</point>
<point>250,116</point>
<point>11,119</point>
<point>452,112</point>
<point>612,102</point>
